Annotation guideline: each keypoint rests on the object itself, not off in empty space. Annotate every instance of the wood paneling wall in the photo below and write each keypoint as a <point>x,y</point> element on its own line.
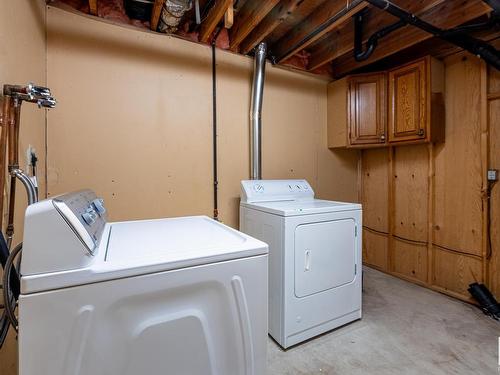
<point>434,195</point>
<point>493,108</point>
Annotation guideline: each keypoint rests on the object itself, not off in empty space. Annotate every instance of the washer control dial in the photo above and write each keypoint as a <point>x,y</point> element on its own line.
<point>89,216</point>
<point>98,205</point>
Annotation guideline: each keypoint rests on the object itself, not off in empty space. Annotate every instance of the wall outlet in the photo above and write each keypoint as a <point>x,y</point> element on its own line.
<point>492,175</point>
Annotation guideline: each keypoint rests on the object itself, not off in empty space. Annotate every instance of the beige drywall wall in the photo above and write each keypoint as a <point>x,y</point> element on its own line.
<point>134,122</point>
<point>22,60</point>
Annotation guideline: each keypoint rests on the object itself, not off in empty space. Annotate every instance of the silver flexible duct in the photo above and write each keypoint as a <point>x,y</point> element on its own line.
<point>256,112</point>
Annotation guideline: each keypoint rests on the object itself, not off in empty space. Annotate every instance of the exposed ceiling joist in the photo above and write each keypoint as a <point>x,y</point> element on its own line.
<point>156,13</point>
<point>279,14</point>
<point>327,17</point>
<point>409,36</point>
<point>341,41</point>
<point>93,7</point>
<point>247,19</point>
<point>214,16</point>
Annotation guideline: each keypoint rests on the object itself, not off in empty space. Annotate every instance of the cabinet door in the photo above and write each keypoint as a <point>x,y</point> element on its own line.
<point>408,109</point>
<point>367,109</point>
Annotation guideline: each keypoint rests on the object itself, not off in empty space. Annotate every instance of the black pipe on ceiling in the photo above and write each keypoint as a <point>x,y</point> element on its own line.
<point>454,36</point>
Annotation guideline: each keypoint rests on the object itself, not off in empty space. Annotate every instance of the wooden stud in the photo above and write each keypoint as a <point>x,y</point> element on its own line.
<point>248,18</point>
<point>156,13</point>
<point>409,36</point>
<point>279,14</point>
<point>299,38</point>
<point>213,18</point>
<point>93,7</point>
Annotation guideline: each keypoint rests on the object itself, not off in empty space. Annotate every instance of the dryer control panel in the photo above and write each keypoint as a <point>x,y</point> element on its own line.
<point>275,190</point>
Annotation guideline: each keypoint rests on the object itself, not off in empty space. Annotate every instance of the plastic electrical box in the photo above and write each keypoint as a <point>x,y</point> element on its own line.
<point>492,174</point>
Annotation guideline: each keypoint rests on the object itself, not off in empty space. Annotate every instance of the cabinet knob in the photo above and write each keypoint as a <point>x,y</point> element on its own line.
<point>421,132</point>
<point>382,138</point>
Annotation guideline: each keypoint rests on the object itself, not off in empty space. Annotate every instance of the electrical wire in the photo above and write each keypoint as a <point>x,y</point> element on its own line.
<point>8,297</point>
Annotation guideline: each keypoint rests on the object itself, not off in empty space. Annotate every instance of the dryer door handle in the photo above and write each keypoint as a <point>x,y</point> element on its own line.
<point>307,263</point>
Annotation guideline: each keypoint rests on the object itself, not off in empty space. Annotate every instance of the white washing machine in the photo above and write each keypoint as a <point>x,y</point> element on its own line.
<point>314,256</point>
<point>170,296</point>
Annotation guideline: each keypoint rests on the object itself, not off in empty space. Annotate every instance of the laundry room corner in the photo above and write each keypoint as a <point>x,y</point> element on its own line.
<point>247,187</point>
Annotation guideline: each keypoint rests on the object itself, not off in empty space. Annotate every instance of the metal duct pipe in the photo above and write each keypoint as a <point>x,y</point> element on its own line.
<point>259,75</point>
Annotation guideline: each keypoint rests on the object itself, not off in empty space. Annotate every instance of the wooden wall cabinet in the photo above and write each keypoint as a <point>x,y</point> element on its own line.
<point>402,106</point>
<point>367,109</point>
<point>416,108</point>
<point>337,114</point>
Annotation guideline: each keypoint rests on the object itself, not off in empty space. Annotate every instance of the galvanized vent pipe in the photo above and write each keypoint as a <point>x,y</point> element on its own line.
<point>256,112</point>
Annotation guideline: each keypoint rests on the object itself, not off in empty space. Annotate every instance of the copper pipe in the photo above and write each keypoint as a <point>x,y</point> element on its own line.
<point>13,162</point>
<point>4,121</point>
<point>14,134</point>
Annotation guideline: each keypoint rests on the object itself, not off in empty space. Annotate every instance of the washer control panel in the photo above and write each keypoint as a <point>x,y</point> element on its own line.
<point>85,213</point>
<point>275,190</point>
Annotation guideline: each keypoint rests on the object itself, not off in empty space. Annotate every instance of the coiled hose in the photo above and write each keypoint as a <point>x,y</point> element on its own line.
<point>10,299</point>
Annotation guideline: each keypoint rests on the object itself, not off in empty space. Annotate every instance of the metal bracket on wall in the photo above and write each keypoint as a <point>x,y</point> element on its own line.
<point>457,36</point>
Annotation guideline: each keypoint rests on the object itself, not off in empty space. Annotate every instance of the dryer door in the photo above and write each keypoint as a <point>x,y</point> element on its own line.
<point>325,256</point>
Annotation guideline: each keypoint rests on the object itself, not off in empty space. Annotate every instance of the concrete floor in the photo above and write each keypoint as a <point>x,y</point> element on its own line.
<point>406,329</point>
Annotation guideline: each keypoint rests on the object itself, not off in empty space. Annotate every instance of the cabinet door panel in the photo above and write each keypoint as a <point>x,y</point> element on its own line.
<point>367,109</point>
<point>408,93</point>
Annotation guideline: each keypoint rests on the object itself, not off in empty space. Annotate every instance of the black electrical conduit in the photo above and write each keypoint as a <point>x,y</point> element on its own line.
<point>214,127</point>
<point>456,36</point>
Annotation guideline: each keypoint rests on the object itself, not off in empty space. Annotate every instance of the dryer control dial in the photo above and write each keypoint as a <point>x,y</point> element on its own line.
<point>259,188</point>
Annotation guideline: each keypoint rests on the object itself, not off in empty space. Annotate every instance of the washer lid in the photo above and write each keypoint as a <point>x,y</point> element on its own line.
<point>302,207</point>
<point>177,242</point>
<point>136,248</point>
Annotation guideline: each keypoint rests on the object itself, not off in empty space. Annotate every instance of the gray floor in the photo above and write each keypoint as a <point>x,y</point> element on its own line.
<point>406,329</point>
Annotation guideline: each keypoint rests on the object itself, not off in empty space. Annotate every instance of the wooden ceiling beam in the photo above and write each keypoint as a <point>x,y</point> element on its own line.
<point>446,15</point>
<point>315,26</point>
<point>279,14</point>
<point>156,13</point>
<point>250,15</point>
<point>341,41</point>
<point>93,7</point>
<point>213,18</point>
